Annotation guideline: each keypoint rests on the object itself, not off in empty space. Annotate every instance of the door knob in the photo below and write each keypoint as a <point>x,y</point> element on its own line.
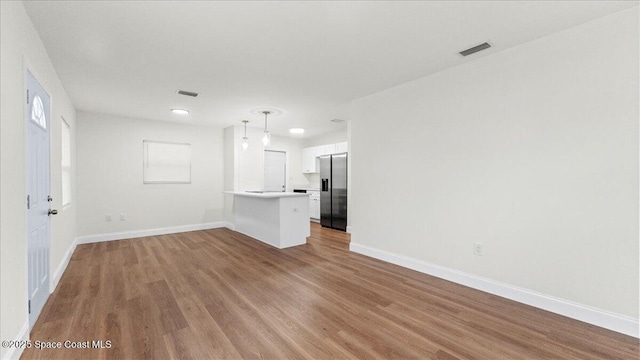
<point>52,212</point>
<point>49,199</point>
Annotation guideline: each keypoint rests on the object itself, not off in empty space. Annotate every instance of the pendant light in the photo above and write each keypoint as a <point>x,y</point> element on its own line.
<point>266,136</point>
<point>245,139</point>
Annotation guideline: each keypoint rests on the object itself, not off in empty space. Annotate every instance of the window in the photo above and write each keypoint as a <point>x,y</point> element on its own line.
<point>66,163</point>
<point>166,162</point>
<point>37,112</point>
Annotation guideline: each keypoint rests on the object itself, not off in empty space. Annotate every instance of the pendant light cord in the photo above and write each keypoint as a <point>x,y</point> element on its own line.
<point>265,119</point>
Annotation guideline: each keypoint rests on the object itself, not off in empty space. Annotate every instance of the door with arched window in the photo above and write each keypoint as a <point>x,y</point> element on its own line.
<point>38,123</point>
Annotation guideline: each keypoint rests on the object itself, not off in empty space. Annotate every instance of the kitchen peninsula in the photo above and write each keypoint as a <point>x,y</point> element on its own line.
<point>280,219</point>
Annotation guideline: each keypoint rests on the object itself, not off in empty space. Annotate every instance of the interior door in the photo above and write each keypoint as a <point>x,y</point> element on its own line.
<point>38,124</point>
<point>275,170</point>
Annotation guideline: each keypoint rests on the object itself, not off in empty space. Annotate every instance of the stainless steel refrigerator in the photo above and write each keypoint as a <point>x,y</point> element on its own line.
<point>333,191</point>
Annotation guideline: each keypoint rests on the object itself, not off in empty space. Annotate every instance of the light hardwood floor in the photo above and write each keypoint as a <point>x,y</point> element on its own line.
<point>217,294</point>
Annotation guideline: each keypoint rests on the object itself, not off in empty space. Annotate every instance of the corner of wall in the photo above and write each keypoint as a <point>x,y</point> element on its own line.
<point>23,336</point>
<point>62,266</point>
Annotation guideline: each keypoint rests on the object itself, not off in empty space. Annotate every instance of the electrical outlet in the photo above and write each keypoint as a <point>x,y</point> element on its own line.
<point>477,248</point>
<point>123,217</point>
<point>107,217</point>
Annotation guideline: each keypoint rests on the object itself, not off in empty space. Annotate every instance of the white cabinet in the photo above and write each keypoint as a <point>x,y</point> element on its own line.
<point>309,160</point>
<point>342,147</point>
<point>310,164</point>
<point>328,149</point>
<point>314,204</point>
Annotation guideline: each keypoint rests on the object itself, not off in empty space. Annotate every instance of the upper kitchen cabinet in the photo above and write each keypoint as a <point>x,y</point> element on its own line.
<point>328,149</point>
<point>309,159</point>
<point>310,155</point>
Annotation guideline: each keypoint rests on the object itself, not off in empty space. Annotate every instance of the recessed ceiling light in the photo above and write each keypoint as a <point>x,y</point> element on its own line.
<point>296,130</point>
<point>180,111</point>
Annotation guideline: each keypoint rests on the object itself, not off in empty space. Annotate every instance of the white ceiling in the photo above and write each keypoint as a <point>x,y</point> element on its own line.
<point>309,59</point>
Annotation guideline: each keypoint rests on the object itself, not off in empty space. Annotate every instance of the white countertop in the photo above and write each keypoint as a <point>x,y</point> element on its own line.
<point>266,195</point>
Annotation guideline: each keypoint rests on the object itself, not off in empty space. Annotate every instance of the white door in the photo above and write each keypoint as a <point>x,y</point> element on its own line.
<point>38,124</point>
<point>275,170</point>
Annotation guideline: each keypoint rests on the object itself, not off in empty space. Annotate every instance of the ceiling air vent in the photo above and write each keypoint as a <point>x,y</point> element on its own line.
<point>475,49</point>
<point>188,93</point>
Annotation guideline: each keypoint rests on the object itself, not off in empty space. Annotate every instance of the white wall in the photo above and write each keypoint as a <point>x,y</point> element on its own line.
<point>532,151</point>
<point>110,176</point>
<point>229,171</point>
<point>21,49</point>
<point>250,162</point>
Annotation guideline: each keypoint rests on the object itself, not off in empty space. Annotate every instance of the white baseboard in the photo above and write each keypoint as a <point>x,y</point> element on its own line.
<point>23,335</point>
<point>229,225</point>
<point>57,275</point>
<point>348,229</point>
<point>619,323</point>
<point>148,232</point>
